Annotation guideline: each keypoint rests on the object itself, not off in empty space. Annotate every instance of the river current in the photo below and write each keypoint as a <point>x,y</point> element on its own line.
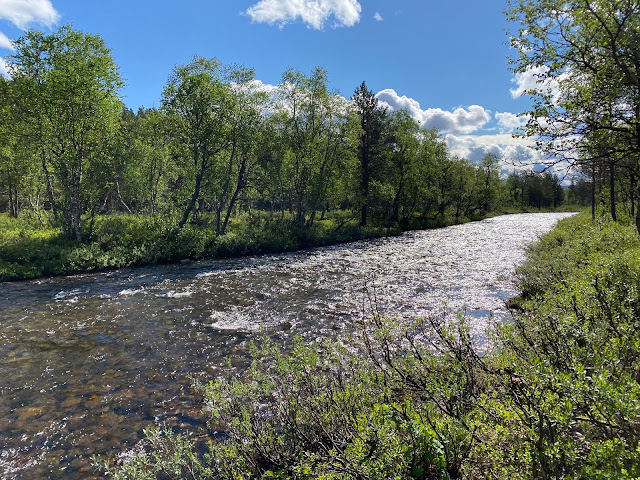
<point>88,361</point>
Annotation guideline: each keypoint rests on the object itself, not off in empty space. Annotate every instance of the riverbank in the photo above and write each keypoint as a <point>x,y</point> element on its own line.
<point>557,395</point>
<point>29,250</point>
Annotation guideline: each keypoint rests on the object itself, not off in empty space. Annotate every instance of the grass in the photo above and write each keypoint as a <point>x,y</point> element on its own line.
<point>29,250</point>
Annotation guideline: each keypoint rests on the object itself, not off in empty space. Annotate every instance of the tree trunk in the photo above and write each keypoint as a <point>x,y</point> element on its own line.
<point>36,207</point>
<point>16,202</point>
<point>239,187</point>
<point>301,211</point>
<point>76,222</point>
<point>612,190</point>
<point>638,207</point>
<point>194,196</point>
<point>218,220</point>
<point>632,181</point>
<point>13,195</point>
<point>363,214</point>
<point>365,189</point>
<point>121,199</point>
<point>593,191</point>
<point>47,177</point>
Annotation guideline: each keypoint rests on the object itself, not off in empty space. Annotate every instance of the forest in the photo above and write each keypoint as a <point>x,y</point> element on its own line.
<point>98,185</point>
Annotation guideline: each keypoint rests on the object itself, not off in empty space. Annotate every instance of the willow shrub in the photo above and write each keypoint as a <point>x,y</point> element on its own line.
<point>556,396</point>
<point>394,403</point>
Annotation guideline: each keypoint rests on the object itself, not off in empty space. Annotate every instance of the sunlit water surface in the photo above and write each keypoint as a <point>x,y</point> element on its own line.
<point>89,361</point>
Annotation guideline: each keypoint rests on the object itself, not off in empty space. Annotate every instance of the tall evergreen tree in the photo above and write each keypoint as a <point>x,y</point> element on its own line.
<point>372,122</point>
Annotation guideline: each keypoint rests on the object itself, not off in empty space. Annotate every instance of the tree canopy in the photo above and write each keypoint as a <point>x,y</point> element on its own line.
<point>221,147</point>
<point>67,86</point>
<point>585,58</point>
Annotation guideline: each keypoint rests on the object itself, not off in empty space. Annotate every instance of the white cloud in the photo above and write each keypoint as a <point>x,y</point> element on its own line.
<point>515,152</point>
<point>267,88</point>
<point>22,13</point>
<point>378,17</point>
<point>537,79</point>
<point>508,122</point>
<point>457,125</point>
<point>5,42</point>
<point>530,79</point>
<point>4,71</point>
<point>255,86</point>
<point>457,121</point>
<point>312,12</point>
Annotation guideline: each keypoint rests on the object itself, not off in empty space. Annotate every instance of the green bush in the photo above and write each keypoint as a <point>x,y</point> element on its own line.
<point>319,412</point>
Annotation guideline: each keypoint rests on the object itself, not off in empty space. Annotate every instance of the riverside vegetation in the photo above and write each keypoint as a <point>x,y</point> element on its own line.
<point>554,394</point>
<point>226,166</point>
<point>229,166</point>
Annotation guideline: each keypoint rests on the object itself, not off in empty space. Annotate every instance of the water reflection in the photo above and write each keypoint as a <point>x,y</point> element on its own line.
<point>90,360</point>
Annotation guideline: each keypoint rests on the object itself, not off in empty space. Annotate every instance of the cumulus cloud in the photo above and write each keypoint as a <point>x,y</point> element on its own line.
<point>378,17</point>
<point>312,12</point>
<point>515,153</point>
<point>5,42</point>
<point>530,79</point>
<point>22,13</point>
<point>457,121</point>
<point>458,126</point>
<point>267,88</point>
<point>509,122</point>
<point>535,79</point>
<point>4,71</point>
<point>257,86</point>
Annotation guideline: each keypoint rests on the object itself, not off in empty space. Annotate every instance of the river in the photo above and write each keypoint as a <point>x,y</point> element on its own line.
<point>88,361</point>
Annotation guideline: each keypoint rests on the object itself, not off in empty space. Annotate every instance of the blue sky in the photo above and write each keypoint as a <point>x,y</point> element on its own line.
<point>446,62</point>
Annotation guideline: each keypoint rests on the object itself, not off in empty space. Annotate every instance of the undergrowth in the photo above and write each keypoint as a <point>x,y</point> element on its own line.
<point>31,250</point>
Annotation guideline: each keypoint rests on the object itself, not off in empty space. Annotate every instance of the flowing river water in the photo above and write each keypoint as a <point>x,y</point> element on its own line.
<point>88,361</point>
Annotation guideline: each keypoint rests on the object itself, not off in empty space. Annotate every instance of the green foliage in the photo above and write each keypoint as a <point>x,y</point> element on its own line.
<point>583,56</point>
<point>317,413</point>
<point>170,454</point>
<point>542,190</point>
<point>198,102</point>
<point>371,139</point>
<point>221,152</point>
<point>574,353</point>
<point>28,250</point>
<point>67,102</point>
